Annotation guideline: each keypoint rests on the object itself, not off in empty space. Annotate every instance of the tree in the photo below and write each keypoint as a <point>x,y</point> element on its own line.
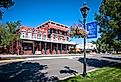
<point>101,46</point>
<point>5,4</point>
<point>9,33</point>
<point>109,20</point>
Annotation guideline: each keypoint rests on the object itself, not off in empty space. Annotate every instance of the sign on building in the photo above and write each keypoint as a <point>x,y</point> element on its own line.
<point>92,30</point>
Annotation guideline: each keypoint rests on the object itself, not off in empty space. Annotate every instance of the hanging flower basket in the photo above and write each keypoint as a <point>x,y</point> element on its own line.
<point>76,31</point>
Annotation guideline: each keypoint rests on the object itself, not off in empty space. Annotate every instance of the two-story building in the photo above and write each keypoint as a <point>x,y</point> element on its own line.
<point>48,38</point>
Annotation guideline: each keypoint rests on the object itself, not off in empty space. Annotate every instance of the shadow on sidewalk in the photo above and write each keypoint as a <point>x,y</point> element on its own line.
<point>112,58</point>
<point>24,72</point>
<point>97,62</point>
<point>69,71</point>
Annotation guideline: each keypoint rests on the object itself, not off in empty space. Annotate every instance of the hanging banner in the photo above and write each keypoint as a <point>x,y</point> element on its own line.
<point>92,30</point>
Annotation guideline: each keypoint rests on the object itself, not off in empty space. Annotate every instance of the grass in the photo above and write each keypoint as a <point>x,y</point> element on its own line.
<point>105,74</point>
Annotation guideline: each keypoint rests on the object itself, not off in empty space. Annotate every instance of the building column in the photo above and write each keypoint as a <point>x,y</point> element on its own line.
<point>61,48</point>
<point>51,47</point>
<point>17,47</point>
<point>66,49</point>
<point>33,51</point>
<point>66,46</point>
<point>57,48</point>
<point>45,47</point>
<point>40,46</point>
<point>21,47</point>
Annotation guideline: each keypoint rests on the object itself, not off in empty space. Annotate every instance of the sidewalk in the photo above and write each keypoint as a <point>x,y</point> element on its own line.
<point>31,56</point>
<point>15,58</point>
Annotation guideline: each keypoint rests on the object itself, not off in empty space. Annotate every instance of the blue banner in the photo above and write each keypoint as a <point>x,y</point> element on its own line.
<point>92,30</point>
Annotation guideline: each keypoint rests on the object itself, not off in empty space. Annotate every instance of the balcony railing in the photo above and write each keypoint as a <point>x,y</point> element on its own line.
<point>44,39</point>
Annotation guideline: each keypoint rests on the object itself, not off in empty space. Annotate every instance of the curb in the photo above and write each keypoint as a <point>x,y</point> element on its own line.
<point>87,72</point>
<point>68,76</point>
<point>40,58</point>
<point>14,60</point>
<point>78,74</point>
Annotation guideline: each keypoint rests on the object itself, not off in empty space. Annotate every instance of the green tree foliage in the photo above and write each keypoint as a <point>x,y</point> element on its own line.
<point>6,37</point>
<point>8,33</point>
<point>5,4</point>
<point>109,20</point>
<point>102,46</point>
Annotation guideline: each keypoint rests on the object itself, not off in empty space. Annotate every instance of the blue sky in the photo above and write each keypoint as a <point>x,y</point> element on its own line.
<point>34,12</point>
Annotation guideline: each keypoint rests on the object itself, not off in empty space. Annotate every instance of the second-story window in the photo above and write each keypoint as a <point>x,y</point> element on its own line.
<point>60,33</point>
<point>29,34</point>
<point>48,31</point>
<point>39,36</point>
<point>34,35</point>
<point>44,37</point>
<point>23,34</point>
<point>60,38</point>
<point>52,31</point>
<point>56,32</point>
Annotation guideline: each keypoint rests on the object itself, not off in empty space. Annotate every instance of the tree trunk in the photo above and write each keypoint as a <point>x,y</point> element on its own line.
<point>7,49</point>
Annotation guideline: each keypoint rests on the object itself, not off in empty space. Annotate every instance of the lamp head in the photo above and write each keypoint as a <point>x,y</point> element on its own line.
<point>84,10</point>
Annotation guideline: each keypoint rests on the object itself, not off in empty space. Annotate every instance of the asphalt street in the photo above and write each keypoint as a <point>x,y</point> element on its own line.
<point>48,70</point>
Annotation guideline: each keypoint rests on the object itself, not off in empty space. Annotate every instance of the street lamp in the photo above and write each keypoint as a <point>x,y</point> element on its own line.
<point>84,10</point>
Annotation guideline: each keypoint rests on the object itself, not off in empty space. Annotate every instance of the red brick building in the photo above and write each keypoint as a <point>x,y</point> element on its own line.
<point>48,38</point>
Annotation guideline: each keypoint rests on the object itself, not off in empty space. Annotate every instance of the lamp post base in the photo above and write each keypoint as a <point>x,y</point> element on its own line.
<point>84,74</point>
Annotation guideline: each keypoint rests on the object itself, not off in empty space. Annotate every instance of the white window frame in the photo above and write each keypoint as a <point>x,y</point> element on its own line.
<point>39,37</point>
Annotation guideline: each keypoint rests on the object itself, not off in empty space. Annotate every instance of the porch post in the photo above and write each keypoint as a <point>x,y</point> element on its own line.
<point>66,46</point>
<point>33,47</point>
<point>57,48</point>
<point>61,48</point>
<point>51,48</point>
<point>66,49</point>
<point>45,47</point>
<point>40,46</point>
<point>21,45</point>
<point>17,47</point>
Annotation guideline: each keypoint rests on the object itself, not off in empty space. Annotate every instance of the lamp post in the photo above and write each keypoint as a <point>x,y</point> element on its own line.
<point>84,10</point>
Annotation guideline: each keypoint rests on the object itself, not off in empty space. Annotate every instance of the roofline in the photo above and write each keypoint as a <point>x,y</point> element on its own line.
<point>52,22</point>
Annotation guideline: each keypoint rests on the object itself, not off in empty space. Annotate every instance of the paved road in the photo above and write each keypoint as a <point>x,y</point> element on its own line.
<point>47,70</point>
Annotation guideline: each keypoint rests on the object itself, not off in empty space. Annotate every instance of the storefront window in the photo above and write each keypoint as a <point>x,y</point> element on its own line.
<point>27,46</point>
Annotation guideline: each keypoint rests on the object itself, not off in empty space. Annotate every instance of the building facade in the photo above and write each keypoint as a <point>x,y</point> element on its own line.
<point>48,38</point>
<point>89,47</point>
